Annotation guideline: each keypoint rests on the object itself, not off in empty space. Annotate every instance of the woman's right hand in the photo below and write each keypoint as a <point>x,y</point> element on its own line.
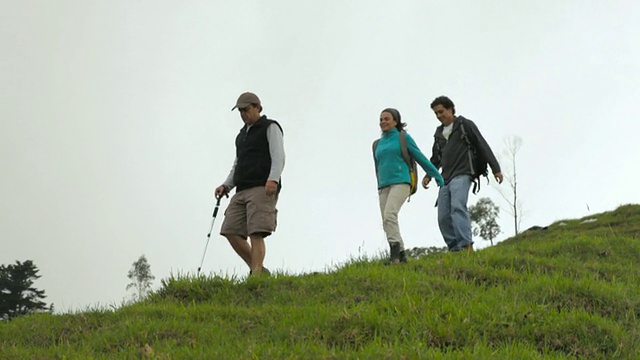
<point>425,182</point>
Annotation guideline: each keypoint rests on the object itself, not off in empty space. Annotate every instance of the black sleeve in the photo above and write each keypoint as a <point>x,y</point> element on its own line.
<point>481,145</point>
<point>436,154</point>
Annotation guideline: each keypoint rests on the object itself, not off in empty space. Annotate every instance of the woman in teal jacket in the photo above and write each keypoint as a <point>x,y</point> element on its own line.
<point>394,179</point>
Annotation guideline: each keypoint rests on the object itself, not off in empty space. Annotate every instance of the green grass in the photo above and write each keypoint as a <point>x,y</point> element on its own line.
<point>570,291</point>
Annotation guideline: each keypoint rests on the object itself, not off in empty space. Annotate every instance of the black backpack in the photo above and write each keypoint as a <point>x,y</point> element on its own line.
<point>479,163</point>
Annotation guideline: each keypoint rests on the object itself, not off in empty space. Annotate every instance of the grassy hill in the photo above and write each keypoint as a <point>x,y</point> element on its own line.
<point>568,291</point>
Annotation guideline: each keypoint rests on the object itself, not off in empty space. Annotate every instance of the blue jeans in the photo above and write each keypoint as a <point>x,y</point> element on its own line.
<point>453,216</point>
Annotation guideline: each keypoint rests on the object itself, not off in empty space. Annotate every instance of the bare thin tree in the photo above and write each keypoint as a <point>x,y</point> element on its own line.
<point>513,144</point>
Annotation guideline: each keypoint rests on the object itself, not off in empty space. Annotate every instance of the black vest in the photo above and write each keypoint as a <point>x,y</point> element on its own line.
<point>252,152</point>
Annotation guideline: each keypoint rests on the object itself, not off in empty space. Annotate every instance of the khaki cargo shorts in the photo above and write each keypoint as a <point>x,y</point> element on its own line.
<point>250,212</point>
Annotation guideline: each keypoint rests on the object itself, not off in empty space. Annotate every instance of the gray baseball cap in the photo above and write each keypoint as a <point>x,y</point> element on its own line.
<point>246,99</point>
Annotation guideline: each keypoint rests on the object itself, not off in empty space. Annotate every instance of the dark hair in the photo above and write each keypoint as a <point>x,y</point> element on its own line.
<point>445,102</point>
<point>395,114</point>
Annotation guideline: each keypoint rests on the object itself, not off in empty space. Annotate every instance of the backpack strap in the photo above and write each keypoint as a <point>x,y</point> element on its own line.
<point>472,153</point>
<point>374,146</point>
<point>464,135</point>
<point>403,148</point>
<point>407,158</point>
<point>436,144</point>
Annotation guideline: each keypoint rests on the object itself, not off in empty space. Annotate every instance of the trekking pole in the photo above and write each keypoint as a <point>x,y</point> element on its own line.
<point>213,219</point>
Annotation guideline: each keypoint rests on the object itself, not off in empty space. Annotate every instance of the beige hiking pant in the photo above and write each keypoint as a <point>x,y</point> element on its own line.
<point>391,200</point>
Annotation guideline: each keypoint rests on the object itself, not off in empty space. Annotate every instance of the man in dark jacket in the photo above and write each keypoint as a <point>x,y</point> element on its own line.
<point>451,152</point>
<point>256,175</point>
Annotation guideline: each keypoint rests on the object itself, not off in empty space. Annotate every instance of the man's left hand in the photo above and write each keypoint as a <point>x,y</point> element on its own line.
<point>499,177</point>
<point>271,187</point>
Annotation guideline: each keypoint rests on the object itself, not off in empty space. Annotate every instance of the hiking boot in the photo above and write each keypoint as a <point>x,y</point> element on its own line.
<point>264,271</point>
<point>394,250</point>
<point>403,257</point>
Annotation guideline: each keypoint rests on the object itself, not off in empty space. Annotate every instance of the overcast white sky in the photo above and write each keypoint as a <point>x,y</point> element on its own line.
<point>115,122</point>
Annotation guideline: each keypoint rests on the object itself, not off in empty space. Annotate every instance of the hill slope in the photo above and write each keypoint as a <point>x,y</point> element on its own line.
<point>565,292</point>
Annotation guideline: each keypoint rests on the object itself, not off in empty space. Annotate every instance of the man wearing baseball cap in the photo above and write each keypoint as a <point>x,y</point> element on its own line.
<point>255,175</point>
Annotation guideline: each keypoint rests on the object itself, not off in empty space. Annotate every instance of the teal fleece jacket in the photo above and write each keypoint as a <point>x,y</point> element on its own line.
<point>390,166</point>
